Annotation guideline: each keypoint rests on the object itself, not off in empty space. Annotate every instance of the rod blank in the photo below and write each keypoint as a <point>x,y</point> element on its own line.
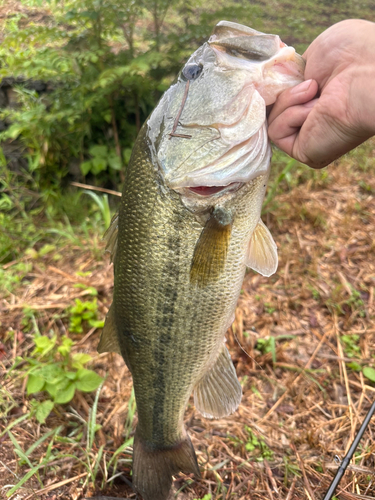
<point>344,464</point>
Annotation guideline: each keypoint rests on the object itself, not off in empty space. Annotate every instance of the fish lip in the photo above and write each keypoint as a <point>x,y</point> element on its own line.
<point>229,28</point>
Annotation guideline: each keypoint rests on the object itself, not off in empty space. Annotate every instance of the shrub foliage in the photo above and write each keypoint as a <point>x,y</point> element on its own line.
<point>105,63</point>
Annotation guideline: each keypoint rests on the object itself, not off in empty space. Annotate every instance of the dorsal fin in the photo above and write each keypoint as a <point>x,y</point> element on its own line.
<point>108,339</point>
<point>111,237</point>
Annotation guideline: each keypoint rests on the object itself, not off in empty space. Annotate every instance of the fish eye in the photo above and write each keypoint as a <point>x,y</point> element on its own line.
<point>192,70</point>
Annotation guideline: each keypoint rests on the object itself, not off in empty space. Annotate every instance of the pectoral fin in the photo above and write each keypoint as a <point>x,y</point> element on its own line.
<point>262,251</point>
<point>219,392</point>
<point>210,253</point>
<point>108,339</point>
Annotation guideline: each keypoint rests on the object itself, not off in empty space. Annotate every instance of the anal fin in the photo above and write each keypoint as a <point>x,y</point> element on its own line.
<point>108,339</point>
<point>219,392</point>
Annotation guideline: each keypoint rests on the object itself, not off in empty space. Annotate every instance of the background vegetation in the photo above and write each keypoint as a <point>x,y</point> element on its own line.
<point>84,76</point>
<point>101,66</point>
<point>81,76</point>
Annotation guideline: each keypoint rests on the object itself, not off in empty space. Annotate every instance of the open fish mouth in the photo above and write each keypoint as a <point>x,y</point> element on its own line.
<point>207,191</point>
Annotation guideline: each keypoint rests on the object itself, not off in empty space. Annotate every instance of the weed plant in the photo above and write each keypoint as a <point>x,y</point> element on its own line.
<point>53,369</point>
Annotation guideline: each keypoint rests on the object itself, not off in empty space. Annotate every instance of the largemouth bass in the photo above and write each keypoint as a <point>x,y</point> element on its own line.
<point>188,225</point>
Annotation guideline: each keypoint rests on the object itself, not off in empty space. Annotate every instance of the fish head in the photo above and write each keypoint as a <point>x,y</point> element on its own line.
<point>208,133</point>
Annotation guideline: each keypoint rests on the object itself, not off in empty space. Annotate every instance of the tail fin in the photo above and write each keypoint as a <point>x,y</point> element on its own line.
<point>153,468</point>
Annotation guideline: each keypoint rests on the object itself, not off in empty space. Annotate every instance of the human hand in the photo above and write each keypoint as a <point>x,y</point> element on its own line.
<point>333,111</point>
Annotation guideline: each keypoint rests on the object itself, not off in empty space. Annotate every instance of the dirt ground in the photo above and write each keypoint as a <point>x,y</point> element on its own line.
<point>293,342</point>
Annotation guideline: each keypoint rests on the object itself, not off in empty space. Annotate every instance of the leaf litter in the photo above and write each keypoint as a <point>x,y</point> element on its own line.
<point>302,343</point>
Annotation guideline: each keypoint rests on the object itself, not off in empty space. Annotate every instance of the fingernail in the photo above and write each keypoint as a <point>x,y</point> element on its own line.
<point>302,87</point>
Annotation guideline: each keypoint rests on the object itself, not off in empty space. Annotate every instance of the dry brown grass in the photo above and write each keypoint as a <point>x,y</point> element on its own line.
<point>304,408</point>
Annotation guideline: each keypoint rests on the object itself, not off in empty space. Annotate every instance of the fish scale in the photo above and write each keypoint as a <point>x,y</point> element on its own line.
<point>172,343</point>
<point>180,256</point>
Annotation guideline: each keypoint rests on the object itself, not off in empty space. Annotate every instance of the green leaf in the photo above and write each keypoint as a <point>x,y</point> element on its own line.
<point>52,373</point>
<point>53,433</point>
<point>89,289</point>
<point>369,373</point>
<point>88,315</point>
<point>14,423</point>
<point>114,162</point>
<point>6,203</point>
<point>85,167</point>
<point>96,323</point>
<point>31,253</point>
<point>80,359</point>
<point>98,165</point>
<point>51,389</point>
<point>19,450</point>
<point>128,442</point>
<point>99,151</point>
<point>44,344</point>
<point>65,348</point>
<point>355,366</point>
<point>43,410</point>
<point>91,14</point>
<point>75,325</point>
<point>88,380</point>
<point>79,307</point>
<point>57,385</point>
<point>91,424</point>
<point>14,131</point>
<point>126,153</point>
<point>46,249</point>
<point>33,470</point>
<point>65,395</point>
<point>34,384</point>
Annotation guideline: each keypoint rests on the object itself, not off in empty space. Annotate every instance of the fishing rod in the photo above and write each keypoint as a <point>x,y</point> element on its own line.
<point>344,464</point>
